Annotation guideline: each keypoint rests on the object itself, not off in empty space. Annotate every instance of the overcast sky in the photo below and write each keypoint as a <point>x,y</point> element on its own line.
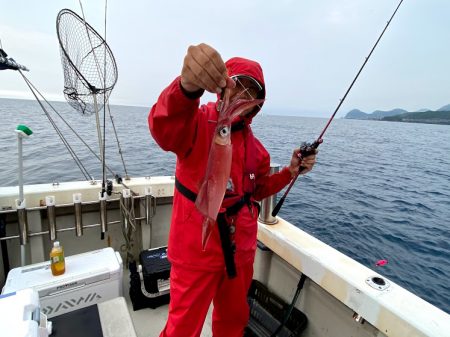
<point>310,50</point>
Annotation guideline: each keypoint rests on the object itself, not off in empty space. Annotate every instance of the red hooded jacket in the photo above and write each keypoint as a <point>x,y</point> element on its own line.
<point>180,125</point>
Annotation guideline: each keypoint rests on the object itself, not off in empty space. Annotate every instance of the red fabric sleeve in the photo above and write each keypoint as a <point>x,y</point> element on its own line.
<point>173,120</point>
<point>266,184</point>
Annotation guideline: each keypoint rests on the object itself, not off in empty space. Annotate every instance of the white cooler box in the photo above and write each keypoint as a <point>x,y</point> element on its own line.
<point>20,315</point>
<point>90,278</point>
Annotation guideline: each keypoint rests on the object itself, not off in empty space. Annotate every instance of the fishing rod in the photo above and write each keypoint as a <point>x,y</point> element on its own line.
<point>307,149</point>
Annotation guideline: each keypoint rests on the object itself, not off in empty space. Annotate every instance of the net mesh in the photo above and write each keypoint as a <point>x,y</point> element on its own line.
<point>88,63</point>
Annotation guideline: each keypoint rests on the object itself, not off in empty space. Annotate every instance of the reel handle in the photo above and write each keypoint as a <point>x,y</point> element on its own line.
<point>306,149</point>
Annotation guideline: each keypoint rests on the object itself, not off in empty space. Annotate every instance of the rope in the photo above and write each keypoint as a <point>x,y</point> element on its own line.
<point>128,235</point>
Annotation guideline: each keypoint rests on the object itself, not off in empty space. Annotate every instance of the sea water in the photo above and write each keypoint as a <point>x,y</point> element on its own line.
<point>379,190</point>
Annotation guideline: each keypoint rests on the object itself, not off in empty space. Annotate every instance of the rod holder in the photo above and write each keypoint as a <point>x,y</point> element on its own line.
<point>358,318</point>
<point>126,202</point>
<point>150,205</point>
<point>150,211</point>
<point>51,216</point>
<point>268,203</point>
<point>103,214</point>
<point>78,212</point>
<point>22,220</point>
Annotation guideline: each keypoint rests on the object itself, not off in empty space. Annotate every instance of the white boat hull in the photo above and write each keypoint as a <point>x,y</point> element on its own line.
<point>337,297</point>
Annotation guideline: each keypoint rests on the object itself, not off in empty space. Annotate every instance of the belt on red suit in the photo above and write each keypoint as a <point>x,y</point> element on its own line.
<point>231,206</point>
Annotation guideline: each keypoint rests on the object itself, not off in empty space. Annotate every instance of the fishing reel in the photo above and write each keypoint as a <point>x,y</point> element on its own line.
<point>109,187</point>
<point>307,149</point>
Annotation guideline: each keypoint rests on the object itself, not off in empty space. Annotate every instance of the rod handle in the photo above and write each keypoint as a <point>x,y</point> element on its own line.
<point>277,207</point>
<point>306,149</point>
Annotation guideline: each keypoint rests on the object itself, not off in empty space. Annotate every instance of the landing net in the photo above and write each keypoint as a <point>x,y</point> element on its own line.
<point>90,71</point>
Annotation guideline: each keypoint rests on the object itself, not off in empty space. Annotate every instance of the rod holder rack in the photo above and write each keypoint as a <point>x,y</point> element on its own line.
<point>32,234</point>
<point>22,218</point>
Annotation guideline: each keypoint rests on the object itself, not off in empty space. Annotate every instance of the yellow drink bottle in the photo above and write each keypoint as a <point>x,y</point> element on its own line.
<point>57,263</point>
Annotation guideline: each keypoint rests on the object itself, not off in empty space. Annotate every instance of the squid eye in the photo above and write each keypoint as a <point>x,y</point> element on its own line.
<point>224,131</point>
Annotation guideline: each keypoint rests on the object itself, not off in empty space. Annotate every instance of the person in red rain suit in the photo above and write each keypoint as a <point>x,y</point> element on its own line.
<point>179,124</point>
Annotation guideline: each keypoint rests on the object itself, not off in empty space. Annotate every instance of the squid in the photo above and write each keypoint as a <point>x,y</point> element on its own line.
<point>213,187</point>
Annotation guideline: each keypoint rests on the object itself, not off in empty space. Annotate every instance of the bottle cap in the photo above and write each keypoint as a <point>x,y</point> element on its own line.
<point>56,244</point>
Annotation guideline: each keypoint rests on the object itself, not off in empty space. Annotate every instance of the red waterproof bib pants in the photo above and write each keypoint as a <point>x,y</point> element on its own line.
<point>191,294</point>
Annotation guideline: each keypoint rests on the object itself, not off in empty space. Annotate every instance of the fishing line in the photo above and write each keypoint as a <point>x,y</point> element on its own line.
<point>307,149</point>
<point>118,144</point>
<point>65,142</point>
<point>68,125</point>
<point>58,131</point>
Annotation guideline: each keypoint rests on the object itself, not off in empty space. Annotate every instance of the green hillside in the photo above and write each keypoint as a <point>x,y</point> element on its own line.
<point>429,117</point>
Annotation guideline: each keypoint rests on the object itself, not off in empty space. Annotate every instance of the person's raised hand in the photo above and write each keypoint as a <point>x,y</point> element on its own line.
<point>203,68</point>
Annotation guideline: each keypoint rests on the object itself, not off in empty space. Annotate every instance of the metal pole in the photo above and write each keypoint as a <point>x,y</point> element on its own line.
<point>99,132</point>
<point>150,210</point>
<point>19,151</point>
<point>78,214</point>
<point>126,199</point>
<point>51,216</point>
<point>103,214</point>
<point>33,234</point>
<point>22,132</point>
<point>22,220</point>
<point>268,203</point>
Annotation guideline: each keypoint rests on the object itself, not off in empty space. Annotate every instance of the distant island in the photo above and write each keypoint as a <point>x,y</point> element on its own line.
<point>440,116</point>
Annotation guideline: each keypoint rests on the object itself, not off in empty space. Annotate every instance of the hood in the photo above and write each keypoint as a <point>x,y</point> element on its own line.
<point>242,66</point>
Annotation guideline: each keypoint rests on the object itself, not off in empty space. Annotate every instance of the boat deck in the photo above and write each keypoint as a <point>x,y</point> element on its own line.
<point>150,322</point>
